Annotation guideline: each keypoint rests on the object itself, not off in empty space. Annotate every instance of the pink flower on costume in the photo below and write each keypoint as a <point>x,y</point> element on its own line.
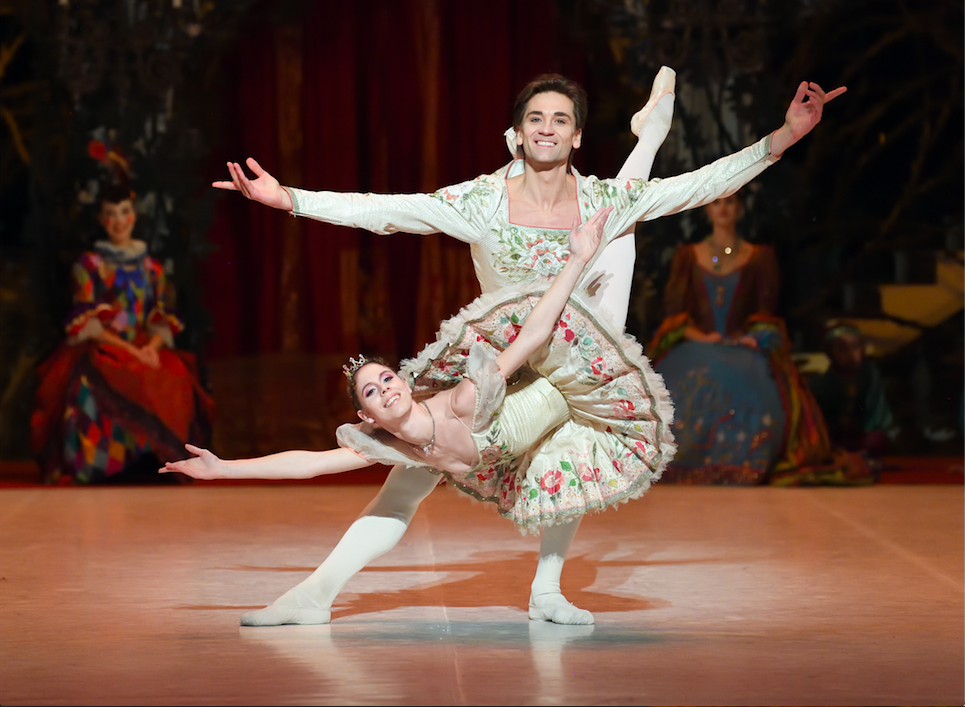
<point>598,365</point>
<point>569,335</point>
<point>485,474</point>
<point>511,332</point>
<point>642,449</point>
<point>490,455</point>
<point>624,409</point>
<point>552,481</point>
<point>588,474</point>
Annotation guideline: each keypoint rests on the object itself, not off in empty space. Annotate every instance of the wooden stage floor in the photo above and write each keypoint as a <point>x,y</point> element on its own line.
<point>702,596</point>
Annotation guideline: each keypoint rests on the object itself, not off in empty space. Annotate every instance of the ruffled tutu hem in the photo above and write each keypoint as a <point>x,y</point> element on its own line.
<point>617,440</point>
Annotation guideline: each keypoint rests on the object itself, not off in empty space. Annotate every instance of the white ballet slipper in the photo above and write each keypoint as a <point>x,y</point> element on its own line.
<point>664,84</point>
<point>554,607</point>
<point>292,607</point>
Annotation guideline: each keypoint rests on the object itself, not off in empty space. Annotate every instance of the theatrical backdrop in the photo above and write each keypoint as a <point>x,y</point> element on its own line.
<point>400,96</point>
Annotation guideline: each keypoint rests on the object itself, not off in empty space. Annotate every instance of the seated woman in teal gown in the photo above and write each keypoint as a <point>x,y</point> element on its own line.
<point>743,414</point>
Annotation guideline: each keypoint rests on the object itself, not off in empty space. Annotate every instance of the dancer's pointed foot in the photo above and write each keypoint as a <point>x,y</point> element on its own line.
<point>293,607</point>
<point>657,114</point>
<point>554,607</point>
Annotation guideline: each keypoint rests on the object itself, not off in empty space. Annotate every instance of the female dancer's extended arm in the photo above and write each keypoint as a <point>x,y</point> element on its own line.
<point>295,464</point>
<point>539,325</point>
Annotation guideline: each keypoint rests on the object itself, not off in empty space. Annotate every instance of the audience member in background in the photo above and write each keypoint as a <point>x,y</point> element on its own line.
<point>116,396</point>
<point>851,394</point>
<point>743,414</point>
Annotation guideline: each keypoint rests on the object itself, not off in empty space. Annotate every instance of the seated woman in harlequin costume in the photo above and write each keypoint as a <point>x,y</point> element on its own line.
<point>117,392</point>
<point>586,426</point>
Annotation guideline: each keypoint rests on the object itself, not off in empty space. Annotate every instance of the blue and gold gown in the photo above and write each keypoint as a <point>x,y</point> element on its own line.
<point>744,416</point>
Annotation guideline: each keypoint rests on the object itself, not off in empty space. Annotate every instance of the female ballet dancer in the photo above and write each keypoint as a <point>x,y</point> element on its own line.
<point>586,425</point>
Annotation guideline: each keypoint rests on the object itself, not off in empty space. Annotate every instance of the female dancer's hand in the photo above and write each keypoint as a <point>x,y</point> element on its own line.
<point>203,466</point>
<point>585,239</point>
<point>265,189</point>
<point>802,115</point>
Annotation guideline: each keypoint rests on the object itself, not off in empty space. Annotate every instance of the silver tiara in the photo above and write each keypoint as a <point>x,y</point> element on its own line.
<point>353,365</point>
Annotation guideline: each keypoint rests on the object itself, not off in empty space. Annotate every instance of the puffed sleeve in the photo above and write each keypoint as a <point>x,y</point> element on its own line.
<point>89,310</point>
<point>678,283</point>
<point>462,211</point>
<point>760,305</point>
<point>482,369</point>
<point>768,281</point>
<point>375,445</point>
<point>160,320</point>
<point>676,304</point>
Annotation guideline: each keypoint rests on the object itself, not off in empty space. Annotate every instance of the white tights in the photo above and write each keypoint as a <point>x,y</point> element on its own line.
<point>610,278</point>
<point>378,530</point>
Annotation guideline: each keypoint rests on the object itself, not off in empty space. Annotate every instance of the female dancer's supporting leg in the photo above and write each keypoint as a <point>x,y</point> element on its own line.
<point>546,600</point>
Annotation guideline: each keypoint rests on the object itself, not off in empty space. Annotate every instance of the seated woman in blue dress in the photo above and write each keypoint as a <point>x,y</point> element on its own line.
<point>743,414</point>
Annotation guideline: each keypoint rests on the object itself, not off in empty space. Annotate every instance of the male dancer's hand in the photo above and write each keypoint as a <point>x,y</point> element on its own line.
<point>802,115</point>
<point>265,189</point>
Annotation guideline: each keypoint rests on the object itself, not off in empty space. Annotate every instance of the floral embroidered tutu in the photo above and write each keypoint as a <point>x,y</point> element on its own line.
<point>617,438</point>
<point>585,427</point>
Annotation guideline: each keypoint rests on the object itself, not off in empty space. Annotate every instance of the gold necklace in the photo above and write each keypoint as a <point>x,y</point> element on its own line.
<point>427,447</point>
<point>717,254</point>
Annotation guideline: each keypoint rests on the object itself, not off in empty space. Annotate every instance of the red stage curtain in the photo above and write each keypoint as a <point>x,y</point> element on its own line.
<point>389,97</point>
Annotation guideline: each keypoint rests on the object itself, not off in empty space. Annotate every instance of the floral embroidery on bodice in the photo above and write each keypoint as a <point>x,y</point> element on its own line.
<point>509,253</point>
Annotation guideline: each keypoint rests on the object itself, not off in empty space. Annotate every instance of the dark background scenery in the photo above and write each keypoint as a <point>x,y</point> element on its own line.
<point>410,96</point>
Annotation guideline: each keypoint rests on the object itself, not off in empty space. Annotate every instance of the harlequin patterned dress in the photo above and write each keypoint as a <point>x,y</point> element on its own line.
<point>585,427</point>
<point>99,410</point>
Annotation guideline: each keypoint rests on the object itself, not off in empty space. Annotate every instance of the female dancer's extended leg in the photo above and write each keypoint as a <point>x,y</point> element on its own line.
<point>377,530</point>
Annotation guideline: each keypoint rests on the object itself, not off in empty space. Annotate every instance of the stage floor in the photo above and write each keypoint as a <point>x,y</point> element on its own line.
<point>702,596</point>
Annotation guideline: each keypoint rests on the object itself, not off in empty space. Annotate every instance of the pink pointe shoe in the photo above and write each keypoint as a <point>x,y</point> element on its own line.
<point>663,85</point>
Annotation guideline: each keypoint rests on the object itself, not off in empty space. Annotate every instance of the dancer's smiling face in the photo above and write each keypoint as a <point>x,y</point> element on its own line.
<point>118,221</point>
<point>548,133</point>
<point>382,395</point>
